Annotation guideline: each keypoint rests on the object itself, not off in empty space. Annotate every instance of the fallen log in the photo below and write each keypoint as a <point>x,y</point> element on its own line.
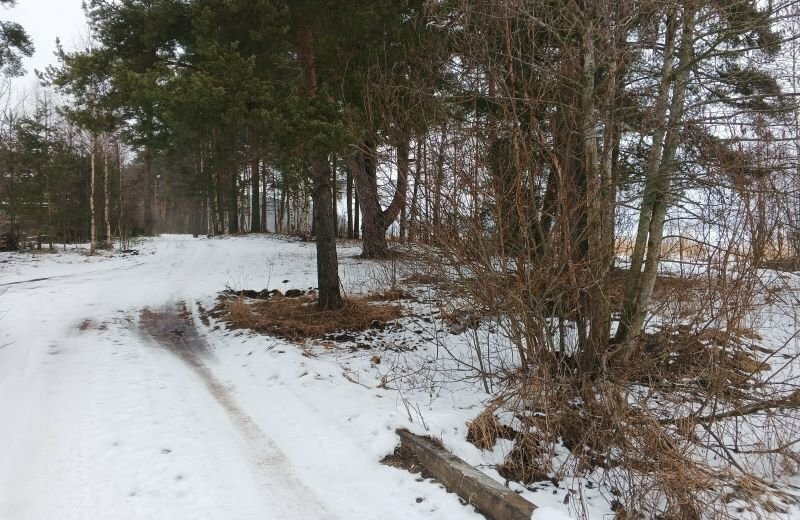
<point>494,500</point>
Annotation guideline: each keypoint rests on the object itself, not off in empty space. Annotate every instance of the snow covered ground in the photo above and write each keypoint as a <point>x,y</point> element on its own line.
<point>101,421</point>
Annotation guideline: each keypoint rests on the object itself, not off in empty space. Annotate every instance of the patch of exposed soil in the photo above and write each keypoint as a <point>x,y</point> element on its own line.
<point>403,458</point>
<point>174,330</point>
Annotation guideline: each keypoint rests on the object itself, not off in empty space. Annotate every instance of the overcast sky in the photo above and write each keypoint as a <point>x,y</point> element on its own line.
<point>46,20</point>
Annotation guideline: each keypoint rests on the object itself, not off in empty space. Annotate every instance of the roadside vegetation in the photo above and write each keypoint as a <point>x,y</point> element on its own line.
<point>601,198</point>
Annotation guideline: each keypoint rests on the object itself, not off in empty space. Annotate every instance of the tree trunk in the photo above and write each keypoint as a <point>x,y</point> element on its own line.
<point>653,163</point>
<point>121,223</point>
<point>233,204</point>
<point>283,210</point>
<point>365,171</point>
<point>376,220</point>
<point>264,176</point>
<point>600,196</point>
<point>413,217</point>
<point>403,219</point>
<point>335,191</point>
<point>313,216</point>
<point>93,220</point>
<point>437,185</point>
<point>148,191</point>
<point>356,216</point>
<point>277,211</point>
<point>640,286</point>
<point>596,310</point>
<point>349,203</point>
<point>255,211</point>
<point>398,203</point>
<point>211,221</point>
<point>666,173</point>
<point>327,261</point>
<point>219,202</point>
<point>107,197</point>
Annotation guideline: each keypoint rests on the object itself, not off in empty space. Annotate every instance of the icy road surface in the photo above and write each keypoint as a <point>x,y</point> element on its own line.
<point>116,404</point>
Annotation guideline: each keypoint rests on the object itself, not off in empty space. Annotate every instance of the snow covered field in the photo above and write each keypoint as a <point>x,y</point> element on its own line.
<point>101,421</point>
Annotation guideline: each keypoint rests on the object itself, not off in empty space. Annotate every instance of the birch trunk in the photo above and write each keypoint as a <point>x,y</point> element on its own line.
<point>658,189</point>
<point>653,164</point>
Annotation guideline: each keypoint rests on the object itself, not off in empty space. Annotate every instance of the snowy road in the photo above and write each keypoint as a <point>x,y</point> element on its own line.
<point>112,411</point>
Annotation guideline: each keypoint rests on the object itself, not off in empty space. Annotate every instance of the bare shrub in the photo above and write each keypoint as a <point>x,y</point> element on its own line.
<point>612,252</point>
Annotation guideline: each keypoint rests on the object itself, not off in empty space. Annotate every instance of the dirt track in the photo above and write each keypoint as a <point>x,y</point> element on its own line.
<point>173,328</point>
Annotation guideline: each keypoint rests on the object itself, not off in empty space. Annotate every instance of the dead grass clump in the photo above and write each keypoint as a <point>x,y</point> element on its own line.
<point>677,355</point>
<point>298,318</point>
<point>421,279</point>
<point>791,264</point>
<point>392,294</point>
<point>667,288</point>
<point>484,431</point>
<point>527,462</point>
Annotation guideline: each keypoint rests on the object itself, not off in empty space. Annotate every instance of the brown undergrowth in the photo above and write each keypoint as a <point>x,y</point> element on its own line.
<point>298,318</point>
<point>644,423</point>
<point>677,356</point>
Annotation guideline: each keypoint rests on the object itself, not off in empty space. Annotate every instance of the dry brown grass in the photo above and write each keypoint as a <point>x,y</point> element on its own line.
<point>299,318</point>
<point>422,279</point>
<point>790,264</point>
<point>676,356</point>
<point>392,294</point>
<point>667,288</point>
<point>527,462</point>
<point>486,428</point>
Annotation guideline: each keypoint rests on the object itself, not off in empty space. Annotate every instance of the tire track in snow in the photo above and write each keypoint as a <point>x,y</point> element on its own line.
<point>172,327</point>
<point>113,270</point>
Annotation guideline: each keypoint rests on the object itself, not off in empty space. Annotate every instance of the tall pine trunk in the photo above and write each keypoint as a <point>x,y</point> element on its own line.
<point>356,216</point>
<point>93,219</point>
<point>121,200</point>
<point>107,197</point>
<point>233,203</point>
<point>335,191</point>
<point>349,203</point>
<point>264,176</point>
<point>148,191</point>
<point>327,261</point>
<point>255,209</point>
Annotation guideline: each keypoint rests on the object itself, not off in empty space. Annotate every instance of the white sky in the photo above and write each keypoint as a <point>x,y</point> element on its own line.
<point>45,20</point>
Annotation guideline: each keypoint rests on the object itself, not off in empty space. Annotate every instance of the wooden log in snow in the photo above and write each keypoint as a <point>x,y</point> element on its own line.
<point>492,499</point>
